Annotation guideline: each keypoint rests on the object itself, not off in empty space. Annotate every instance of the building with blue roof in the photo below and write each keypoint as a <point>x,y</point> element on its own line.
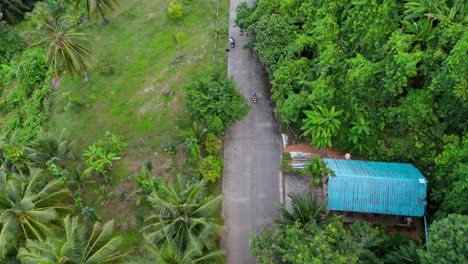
<point>376,187</point>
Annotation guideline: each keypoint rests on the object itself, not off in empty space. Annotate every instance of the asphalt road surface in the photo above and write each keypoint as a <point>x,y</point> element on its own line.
<point>252,152</point>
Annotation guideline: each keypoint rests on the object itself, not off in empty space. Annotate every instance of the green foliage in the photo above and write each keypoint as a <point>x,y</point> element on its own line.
<point>66,49</point>
<point>396,70</point>
<point>322,124</point>
<point>75,245</point>
<point>13,155</point>
<point>314,243</point>
<point>447,241</point>
<point>186,214</point>
<point>193,148</point>
<point>405,253</point>
<point>214,100</point>
<point>50,147</point>
<point>29,205</point>
<point>213,144</point>
<point>100,156</point>
<point>359,133</point>
<point>175,10</point>
<point>13,10</point>
<point>211,167</point>
<point>11,43</point>
<point>89,213</point>
<point>243,12</point>
<point>316,169</point>
<point>451,177</point>
<point>146,182</point>
<point>56,171</point>
<point>25,95</point>
<point>306,208</point>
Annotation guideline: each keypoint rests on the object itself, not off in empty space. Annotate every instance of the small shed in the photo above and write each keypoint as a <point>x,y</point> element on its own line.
<point>376,187</point>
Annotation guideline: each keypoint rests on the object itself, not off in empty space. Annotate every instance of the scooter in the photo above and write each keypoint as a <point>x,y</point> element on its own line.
<point>254,97</point>
<point>232,42</point>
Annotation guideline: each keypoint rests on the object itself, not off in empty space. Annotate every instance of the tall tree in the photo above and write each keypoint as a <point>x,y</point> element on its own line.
<point>66,48</point>
<point>185,213</point>
<point>28,205</point>
<point>75,246</point>
<point>212,98</point>
<point>447,241</point>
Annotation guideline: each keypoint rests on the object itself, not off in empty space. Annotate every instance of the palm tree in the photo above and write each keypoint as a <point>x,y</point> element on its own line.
<point>185,214</point>
<point>322,124</point>
<point>13,10</point>
<point>306,208</point>
<point>96,8</point>
<point>47,147</point>
<point>28,205</point>
<point>168,253</point>
<point>66,49</point>
<point>76,245</point>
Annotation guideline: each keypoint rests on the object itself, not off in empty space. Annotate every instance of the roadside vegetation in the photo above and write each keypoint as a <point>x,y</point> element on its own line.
<point>99,153</point>
<point>385,80</point>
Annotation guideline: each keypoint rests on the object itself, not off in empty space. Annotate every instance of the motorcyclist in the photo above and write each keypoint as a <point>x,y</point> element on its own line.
<point>232,42</point>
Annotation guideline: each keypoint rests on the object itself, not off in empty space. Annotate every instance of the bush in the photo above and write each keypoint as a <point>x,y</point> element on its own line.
<point>214,99</point>
<point>11,43</point>
<point>213,144</point>
<point>175,10</point>
<point>211,168</point>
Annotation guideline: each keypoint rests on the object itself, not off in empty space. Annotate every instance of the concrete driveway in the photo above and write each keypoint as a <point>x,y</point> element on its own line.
<point>252,152</point>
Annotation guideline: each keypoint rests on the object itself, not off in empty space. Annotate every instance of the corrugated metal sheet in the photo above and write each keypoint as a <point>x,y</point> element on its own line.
<point>376,187</point>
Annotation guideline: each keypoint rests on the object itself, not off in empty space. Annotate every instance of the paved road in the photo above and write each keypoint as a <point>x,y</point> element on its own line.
<point>251,156</point>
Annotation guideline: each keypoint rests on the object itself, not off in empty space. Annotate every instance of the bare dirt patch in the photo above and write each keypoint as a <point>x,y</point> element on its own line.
<point>324,153</point>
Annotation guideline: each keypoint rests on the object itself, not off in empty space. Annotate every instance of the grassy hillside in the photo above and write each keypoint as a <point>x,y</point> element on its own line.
<point>143,58</point>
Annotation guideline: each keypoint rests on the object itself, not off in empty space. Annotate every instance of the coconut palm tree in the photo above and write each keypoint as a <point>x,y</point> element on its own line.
<point>306,208</point>
<point>185,214</point>
<point>96,8</point>
<point>13,10</point>
<point>47,146</point>
<point>168,253</point>
<point>28,206</point>
<point>66,48</point>
<point>76,245</point>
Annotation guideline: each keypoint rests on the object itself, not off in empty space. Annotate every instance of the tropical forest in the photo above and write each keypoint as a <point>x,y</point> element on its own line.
<point>381,79</point>
<point>114,116</point>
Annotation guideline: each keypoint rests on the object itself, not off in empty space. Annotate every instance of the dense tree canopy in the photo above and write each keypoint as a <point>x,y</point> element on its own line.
<point>396,68</point>
<point>447,241</point>
<point>326,242</point>
<point>213,99</point>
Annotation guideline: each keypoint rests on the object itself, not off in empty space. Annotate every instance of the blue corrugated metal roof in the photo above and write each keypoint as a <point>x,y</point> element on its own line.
<point>376,187</point>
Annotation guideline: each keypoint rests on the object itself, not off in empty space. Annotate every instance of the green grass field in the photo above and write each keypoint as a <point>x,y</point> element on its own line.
<point>143,58</point>
<point>135,88</point>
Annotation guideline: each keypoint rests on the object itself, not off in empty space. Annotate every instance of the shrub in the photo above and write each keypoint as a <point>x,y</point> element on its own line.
<point>211,168</point>
<point>175,10</point>
<point>213,144</point>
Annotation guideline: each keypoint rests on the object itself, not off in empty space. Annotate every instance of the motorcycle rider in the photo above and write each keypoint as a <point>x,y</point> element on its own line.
<point>232,42</point>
